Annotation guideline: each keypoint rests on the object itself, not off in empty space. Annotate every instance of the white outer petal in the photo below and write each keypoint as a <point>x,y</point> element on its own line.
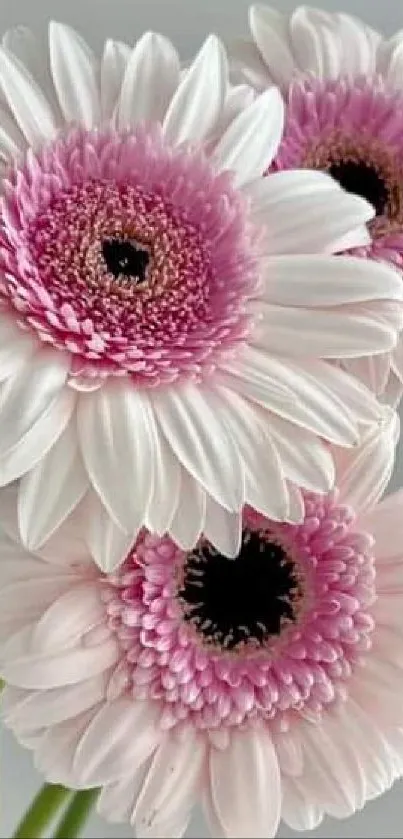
<point>150,80</point>
<point>251,141</point>
<point>75,74</point>
<point>51,490</point>
<point>197,105</point>
<point>26,100</point>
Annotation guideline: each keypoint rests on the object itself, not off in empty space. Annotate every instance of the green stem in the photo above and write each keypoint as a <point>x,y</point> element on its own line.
<point>42,811</point>
<point>76,814</point>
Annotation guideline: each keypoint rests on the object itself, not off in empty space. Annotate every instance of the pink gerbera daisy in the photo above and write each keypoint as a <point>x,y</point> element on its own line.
<point>151,291</point>
<point>344,94</point>
<point>267,686</point>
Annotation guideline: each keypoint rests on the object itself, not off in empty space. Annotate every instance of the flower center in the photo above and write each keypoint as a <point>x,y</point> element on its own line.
<point>134,260</point>
<point>124,257</point>
<point>361,178</point>
<point>275,632</point>
<point>246,601</point>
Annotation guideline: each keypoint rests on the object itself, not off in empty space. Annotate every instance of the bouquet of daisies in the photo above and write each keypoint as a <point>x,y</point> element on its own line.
<point>201,304</point>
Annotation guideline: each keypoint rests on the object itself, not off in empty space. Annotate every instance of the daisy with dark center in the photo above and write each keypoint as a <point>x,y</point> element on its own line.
<point>266,686</point>
<point>151,290</point>
<point>342,84</point>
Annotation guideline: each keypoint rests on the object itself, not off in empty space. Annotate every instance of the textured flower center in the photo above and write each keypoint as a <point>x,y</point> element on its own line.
<point>275,632</point>
<point>354,131</point>
<point>126,258</point>
<point>363,179</point>
<point>245,601</point>
<point>130,256</point>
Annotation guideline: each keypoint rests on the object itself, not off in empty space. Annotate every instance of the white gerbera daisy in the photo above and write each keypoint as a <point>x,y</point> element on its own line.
<point>268,686</point>
<point>343,87</point>
<point>152,291</point>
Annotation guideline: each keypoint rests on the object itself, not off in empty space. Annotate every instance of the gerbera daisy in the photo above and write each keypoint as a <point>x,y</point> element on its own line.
<point>151,291</point>
<point>343,85</point>
<point>268,686</point>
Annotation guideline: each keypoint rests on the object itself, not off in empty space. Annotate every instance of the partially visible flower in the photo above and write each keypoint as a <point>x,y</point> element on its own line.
<point>343,85</point>
<point>268,686</point>
<point>151,292</point>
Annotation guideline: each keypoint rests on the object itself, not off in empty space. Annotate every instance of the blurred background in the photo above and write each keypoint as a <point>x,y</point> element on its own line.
<point>186,22</point>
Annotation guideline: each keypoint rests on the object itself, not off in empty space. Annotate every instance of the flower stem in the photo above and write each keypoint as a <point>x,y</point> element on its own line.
<point>76,814</point>
<point>42,811</point>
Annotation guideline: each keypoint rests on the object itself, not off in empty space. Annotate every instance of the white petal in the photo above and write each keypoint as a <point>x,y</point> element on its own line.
<point>75,75</point>
<point>223,529</point>
<point>213,824</point>
<point>344,333</point>
<point>251,141</point>
<point>12,142</point>
<point>311,220</point>
<point>68,619</point>
<point>51,707</point>
<point>296,511</point>
<point>121,736</point>
<point>108,544</point>
<point>390,60</point>
<point>166,486</point>
<point>113,67</point>
<point>67,544</point>
<point>26,597</point>
<point>385,522</point>
<point>304,458</point>
<point>246,785</point>
<point>191,421</point>
<point>188,523</point>
<point>172,783</point>
<point>38,439</point>
<point>363,475</point>
<point>25,397</point>
<point>266,489</point>
<point>325,400</point>
<point>238,98</point>
<point>199,100</point>
<point>150,80</point>
<point>54,754</point>
<point>289,751</point>
<point>116,801</point>
<point>370,744</point>
<point>28,49</point>
<point>16,348</point>
<point>26,101</point>
<point>298,810</point>
<point>332,776</point>
<point>316,44</point>
<point>247,65</point>
<point>117,421</point>
<point>373,370</point>
<point>359,46</point>
<point>67,667</point>
<point>57,498</point>
<point>270,31</point>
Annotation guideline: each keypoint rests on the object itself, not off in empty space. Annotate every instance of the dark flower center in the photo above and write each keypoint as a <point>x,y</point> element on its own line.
<point>363,179</point>
<point>126,258</point>
<point>247,600</point>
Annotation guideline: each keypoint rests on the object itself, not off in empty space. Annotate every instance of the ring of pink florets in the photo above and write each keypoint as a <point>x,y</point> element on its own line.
<point>307,668</point>
<point>87,187</point>
<point>332,121</point>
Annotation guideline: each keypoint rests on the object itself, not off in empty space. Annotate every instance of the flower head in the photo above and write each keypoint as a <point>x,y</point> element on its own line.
<point>150,290</point>
<point>187,675</point>
<point>344,94</point>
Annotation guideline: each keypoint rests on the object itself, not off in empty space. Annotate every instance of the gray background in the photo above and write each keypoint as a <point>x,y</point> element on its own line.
<point>186,22</point>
